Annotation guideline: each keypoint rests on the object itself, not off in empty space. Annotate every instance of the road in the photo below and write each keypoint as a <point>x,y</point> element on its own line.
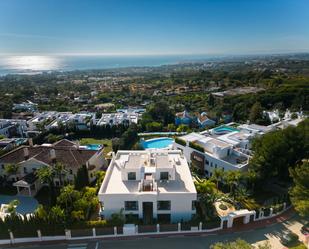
<point>202,241</point>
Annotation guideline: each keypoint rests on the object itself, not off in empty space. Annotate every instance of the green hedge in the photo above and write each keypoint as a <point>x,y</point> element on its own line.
<point>196,147</point>
<point>180,141</point>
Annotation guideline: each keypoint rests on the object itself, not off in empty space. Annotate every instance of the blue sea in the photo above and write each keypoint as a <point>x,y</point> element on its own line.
<point>38,64</point>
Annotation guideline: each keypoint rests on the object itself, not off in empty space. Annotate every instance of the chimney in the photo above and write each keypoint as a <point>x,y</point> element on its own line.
<point>52,154</point>
<point>30,142</point>
<point>26,153</point>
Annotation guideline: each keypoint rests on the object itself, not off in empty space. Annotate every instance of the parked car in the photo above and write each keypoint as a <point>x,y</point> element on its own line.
<point>305,229</point>
<point>288,238</point>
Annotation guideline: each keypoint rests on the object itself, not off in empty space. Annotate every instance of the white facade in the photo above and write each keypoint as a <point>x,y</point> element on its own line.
<point>218,153</point>
<point>151,185</point>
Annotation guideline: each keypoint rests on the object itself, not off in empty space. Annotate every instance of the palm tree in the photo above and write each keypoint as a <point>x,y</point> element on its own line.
<point>232,178</point>
<point>59,171</point>
<point>217,176</point>
<point>46,176</point>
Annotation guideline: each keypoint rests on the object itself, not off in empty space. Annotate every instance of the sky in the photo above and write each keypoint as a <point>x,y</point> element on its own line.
<point>153,27</point>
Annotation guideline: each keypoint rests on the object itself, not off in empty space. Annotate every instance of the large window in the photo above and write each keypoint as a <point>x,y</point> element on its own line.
<point>164,205</point>
<point>163,175</point>
<point>132,176</point>
<point>131,205</point>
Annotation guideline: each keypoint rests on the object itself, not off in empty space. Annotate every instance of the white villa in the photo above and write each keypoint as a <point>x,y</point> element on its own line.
<point>149,185</point>
<point>223,147</point>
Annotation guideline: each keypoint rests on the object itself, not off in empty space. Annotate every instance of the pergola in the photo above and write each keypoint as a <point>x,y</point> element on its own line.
<point>29,182</point>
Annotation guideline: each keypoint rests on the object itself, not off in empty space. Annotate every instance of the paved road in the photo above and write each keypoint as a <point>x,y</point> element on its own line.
<point>183,242</point>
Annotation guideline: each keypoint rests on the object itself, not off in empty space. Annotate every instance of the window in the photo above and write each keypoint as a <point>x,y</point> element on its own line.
<point>71,172</point>
<point>211,164</point>
<point>215,165</point>
<point>131,176</point>
<point>164,205</point>
<point>207,162</point>
<point>131,205</point>
<point>163,175</point>
<point>164,218</point>
<point>193,205</point>
<point>25,170</point>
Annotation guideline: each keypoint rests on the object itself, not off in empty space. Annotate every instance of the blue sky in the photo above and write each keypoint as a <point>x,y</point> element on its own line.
<point>153,26</point>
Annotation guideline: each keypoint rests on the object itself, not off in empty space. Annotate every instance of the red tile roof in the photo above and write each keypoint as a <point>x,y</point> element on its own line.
<point>70,156</point>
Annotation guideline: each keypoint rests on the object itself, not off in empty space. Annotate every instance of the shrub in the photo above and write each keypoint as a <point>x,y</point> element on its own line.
<point>223,206</point>
<point>180,141</point>
<point>196,147</point>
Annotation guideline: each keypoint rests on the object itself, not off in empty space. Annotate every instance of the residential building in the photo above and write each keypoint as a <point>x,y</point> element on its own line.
<point>208,153</point>
<point>13,127</point>
<point>31,158</point>
<point>183,118</point>
<point>203,120</point>
<point>122,116</point>
<point>152,184</point>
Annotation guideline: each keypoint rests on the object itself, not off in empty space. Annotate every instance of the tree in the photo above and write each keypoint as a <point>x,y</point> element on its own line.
<point>232,178</point>
<point>82,178</point>
<point>256,113</point>
<point>59,171</point>
<point>182,128</point>
<point>171,127</point>
<point>46,176</point>
<point>205,187</point>
<point>11,169</point>
<point>12,207</point>
<point>217,176</point>
<point>299,193</point>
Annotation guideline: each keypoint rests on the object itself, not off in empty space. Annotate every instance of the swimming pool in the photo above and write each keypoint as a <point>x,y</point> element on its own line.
<point>157,143</point>
<point>224,129</point>
<point>93,146</point>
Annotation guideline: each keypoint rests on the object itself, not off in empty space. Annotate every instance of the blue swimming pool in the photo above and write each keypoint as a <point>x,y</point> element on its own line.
<point>224,129</point>
<point>93,146</point>
<point>157,143</point>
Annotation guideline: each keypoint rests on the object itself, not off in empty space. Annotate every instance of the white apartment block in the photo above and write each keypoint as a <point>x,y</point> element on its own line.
<point>154,184</point>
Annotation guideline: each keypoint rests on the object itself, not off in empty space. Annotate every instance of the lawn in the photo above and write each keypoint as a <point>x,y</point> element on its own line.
<point>106,142</point>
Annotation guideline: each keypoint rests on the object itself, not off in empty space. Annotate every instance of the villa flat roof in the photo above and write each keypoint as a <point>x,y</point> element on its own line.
<point>113,183</point>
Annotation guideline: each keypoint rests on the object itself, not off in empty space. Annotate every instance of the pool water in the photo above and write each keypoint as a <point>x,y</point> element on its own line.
<point>157,143</point>
<point>224,129</point>
<point>93,146</point>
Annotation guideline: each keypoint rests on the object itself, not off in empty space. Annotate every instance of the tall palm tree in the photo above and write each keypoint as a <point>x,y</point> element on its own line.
<point>46,176</point>
<point>217,176</point>
<point>59,171</point>
<point>232,178</point>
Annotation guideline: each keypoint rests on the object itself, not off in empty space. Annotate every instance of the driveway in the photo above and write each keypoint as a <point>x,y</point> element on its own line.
<point>27,204</point>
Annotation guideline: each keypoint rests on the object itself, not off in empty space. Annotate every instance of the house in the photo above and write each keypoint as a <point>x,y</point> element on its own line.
<point>208,153</point>
<point>13,127</point>
<point>183,118</point>
<point>152,184</point>
<point>122,116</point>
<point>30,158</point>
<point>203,120</point>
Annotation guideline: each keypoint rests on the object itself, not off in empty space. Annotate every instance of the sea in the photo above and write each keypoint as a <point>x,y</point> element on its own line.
<point>42,63</point>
